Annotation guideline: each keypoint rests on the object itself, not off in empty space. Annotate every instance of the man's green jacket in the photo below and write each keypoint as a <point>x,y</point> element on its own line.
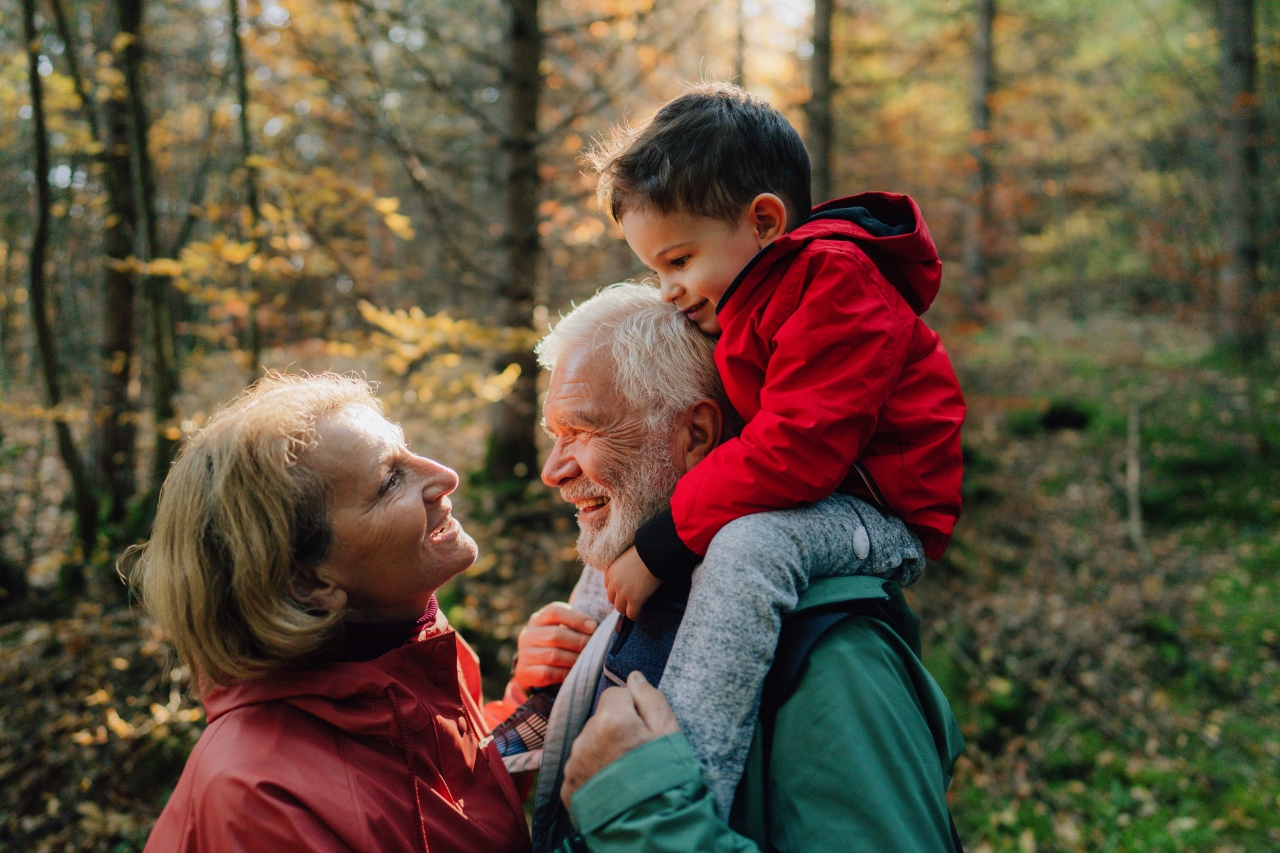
<point>861,757</point>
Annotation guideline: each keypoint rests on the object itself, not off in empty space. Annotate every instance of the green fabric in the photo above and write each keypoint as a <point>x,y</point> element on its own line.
<point>862,755</point>
<point>834,590</point>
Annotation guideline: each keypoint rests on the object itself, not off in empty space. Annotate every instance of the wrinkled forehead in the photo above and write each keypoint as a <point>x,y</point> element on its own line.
<point>354,436</point>
<point>583,386</point>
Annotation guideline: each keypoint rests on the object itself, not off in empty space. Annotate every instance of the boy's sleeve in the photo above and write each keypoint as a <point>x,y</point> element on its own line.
<point>836,360</point>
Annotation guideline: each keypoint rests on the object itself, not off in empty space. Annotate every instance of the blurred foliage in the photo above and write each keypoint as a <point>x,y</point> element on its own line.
<point>1110,704</point>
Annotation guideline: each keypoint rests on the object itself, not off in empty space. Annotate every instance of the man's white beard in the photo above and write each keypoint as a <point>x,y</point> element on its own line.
<point>637,493</point>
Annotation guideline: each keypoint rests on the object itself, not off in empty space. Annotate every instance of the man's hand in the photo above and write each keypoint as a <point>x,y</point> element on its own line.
<point>624,719</point>
<point>550,643</point>
<point>629,583</point>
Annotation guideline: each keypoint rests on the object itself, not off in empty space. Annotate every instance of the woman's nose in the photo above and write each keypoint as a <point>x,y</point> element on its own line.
<point>560,466</point>
<point>438,480</point>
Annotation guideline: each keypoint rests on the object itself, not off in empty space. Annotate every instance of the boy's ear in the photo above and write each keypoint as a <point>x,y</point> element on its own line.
<point>768,216</point>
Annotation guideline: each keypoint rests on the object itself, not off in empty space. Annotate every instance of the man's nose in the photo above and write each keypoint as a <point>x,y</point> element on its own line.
<point>438,480</point>
<point>561,466</point>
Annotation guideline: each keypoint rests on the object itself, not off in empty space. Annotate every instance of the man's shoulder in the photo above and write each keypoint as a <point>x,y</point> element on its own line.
<point>864,684</point>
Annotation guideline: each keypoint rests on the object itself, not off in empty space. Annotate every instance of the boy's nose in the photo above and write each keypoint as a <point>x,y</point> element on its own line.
<point>669,290</point>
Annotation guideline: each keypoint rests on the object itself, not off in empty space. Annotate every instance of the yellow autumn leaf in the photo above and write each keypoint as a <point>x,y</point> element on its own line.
<point>238,253</point>
<point>165,266</point>
<point>399,223</point>
<point>386,205</point>
<point>121,41</point>
<point>130,265</point>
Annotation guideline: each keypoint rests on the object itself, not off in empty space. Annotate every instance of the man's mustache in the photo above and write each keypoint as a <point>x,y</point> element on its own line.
<point>583,489</point>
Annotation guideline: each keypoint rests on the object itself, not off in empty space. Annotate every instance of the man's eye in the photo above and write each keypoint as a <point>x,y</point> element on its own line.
<point>395,478</point>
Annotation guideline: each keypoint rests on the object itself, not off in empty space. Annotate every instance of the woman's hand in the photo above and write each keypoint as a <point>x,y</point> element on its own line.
<point>550,643</point>
<point>624,719</point>
<point>629,584</point>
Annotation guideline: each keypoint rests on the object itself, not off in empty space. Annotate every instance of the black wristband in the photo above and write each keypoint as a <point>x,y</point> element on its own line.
<point>663,551</point>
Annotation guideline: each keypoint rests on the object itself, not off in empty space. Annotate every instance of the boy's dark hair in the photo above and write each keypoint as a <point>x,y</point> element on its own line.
<point>708,152</point>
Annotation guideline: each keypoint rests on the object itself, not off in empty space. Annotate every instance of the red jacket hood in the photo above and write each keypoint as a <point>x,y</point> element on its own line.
<point>888,227</point>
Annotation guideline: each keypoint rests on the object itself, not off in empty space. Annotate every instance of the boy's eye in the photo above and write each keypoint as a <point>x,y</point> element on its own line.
<point>680,262</point>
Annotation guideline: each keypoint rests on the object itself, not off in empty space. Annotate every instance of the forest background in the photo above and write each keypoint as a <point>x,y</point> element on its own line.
<point>195,189</point>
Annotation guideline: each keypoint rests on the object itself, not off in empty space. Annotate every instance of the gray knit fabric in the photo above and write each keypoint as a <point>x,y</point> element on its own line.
<point>589,594</point>
<point>755,571</point>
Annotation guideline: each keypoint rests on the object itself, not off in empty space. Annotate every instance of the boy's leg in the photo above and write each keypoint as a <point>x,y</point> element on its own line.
<point>754,571</point>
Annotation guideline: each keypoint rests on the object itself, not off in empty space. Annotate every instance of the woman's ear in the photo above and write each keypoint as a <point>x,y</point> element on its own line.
<point>316,589</point>
<point>701,432</point>
<point>768,215</point>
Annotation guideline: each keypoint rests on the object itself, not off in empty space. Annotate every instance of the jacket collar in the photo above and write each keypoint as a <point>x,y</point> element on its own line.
<point>353,696</point>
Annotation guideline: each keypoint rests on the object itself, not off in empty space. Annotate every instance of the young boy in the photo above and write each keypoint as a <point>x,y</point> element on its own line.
<point>822,352</point>
<point>850,401</point>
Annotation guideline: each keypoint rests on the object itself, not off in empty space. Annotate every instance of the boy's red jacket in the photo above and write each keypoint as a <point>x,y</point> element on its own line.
<point>824,355</point>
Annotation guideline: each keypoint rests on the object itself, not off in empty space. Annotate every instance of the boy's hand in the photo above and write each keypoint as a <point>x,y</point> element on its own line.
<point>629,584</point>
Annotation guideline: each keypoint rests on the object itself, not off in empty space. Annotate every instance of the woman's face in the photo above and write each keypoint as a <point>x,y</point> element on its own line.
<point>394,541</point>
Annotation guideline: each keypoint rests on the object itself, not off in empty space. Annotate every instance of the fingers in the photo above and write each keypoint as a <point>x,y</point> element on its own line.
<point>614,729</point>
<point>633,611</point>
<point>532,677</point>
<point>553,637</point>
<point>547,656</point>
<point>651,705</point>
<point>559,613</point>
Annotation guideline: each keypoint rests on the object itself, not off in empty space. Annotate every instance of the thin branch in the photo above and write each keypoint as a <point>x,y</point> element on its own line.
<point>73,65</point>
<point>610,96</point>
<point>1179,67</point>
<point>434,82</point>
<point>85,500</point>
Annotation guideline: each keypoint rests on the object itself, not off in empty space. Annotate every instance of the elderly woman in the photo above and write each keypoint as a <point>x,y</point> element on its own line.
<point>293,565</point>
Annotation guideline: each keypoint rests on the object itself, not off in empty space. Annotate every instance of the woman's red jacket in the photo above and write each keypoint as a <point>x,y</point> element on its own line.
<point>378,756</point>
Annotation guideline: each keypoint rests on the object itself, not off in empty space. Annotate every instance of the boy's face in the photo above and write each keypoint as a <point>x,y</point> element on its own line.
<point>696,258</point>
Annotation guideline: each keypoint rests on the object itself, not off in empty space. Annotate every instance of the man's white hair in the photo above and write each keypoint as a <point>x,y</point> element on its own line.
<point>663,364</point>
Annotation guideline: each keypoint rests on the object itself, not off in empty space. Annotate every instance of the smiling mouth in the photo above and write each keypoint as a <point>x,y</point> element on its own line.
<point>446,529</point>
<point>587,506</point>
<point>694,308</point>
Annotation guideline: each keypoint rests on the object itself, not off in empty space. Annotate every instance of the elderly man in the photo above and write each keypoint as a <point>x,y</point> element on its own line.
<point>855,742</point>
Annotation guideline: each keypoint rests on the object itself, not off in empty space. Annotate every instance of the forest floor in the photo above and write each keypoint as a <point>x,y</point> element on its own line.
<point>1111,700</point>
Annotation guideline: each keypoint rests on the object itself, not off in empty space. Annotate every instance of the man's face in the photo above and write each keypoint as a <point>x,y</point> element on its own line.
<point>606,461</point>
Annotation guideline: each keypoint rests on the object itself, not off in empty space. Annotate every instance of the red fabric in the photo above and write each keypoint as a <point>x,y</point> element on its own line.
<point>829,364</point>
<point>345,758</point>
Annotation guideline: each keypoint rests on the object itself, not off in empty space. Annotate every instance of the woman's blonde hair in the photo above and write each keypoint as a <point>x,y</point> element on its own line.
<point>240,516</point>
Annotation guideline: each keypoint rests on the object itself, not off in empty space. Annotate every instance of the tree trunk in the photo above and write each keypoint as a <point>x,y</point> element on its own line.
<point>1240,324</point>
<point>819,109</point>
<point>156,288</point>
<point>974,285</point>
<point>114,416</point>
<point>86,502</point>
<point>740,48</point>
<point>512,456</point>
<point>253,342</point>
